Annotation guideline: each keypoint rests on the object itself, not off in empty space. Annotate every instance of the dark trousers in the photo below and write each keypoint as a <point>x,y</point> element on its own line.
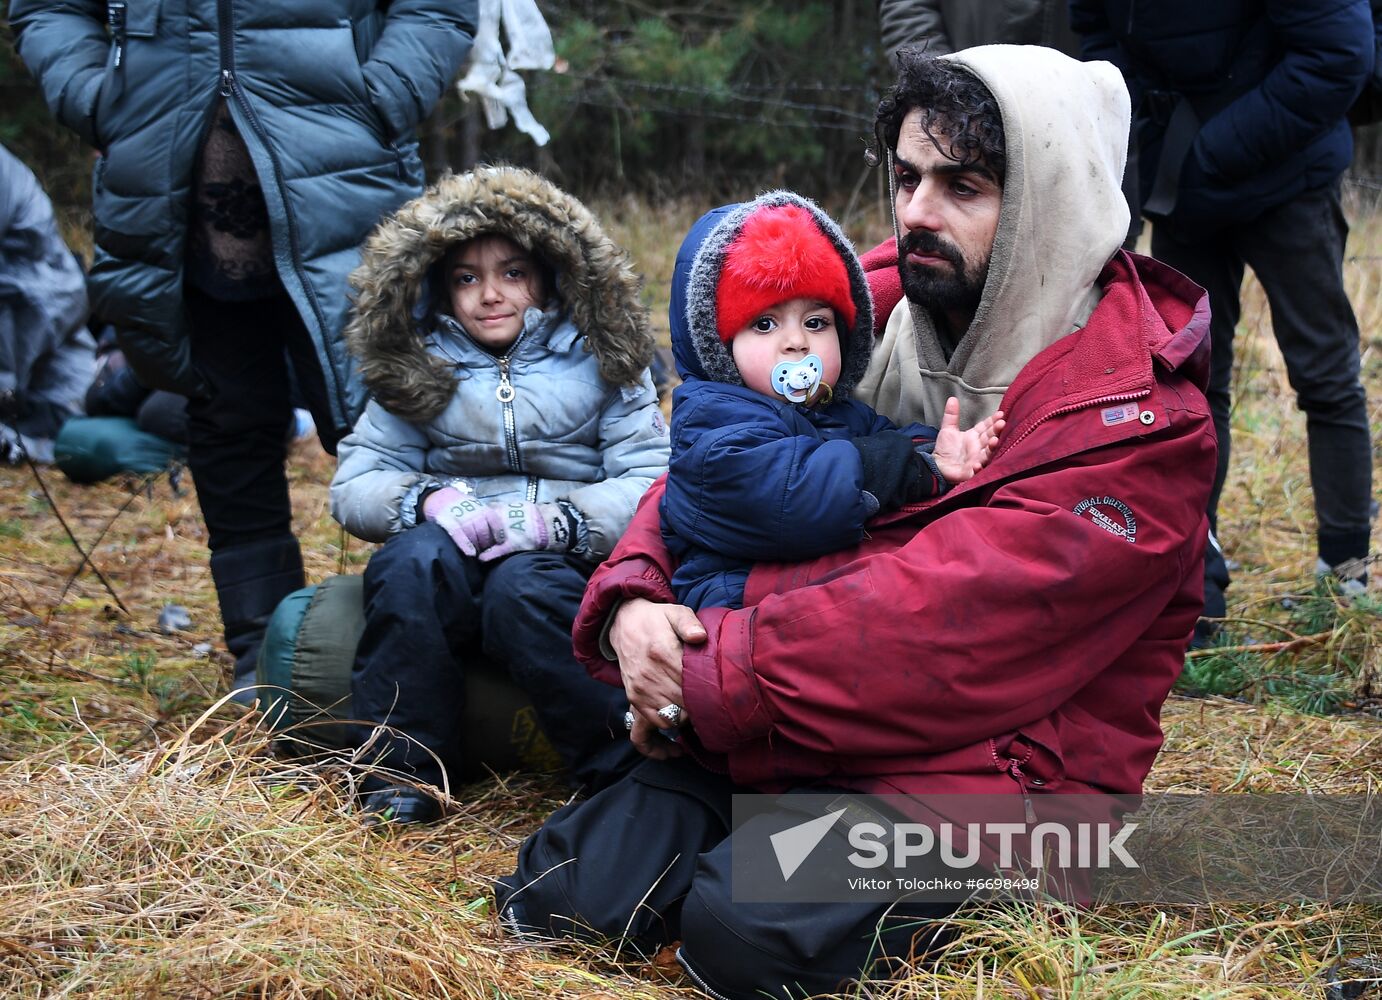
<point>236,444</point>
<point>1296,250</point>
<point>648,861</point>
<point>429,611</point>
<point>238,432</point>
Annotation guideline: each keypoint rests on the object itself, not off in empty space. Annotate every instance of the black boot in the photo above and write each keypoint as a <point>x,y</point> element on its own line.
<point>250,581</point>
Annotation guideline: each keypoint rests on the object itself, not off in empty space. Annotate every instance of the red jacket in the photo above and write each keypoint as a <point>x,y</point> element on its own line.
<point>1021,630</point>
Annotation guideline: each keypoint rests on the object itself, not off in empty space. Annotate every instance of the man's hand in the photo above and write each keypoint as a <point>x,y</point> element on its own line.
<point>648,640</point>
<point>960,454</point>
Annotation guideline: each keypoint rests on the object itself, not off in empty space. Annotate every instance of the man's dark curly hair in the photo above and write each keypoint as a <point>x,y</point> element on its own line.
<point>958,113</point>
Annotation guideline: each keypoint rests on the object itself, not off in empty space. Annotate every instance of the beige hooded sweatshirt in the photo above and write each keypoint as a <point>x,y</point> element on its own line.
<point>1063,216</point>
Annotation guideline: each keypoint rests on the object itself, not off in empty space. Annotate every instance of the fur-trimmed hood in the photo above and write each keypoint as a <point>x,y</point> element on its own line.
<point>595,282</point>
<point>696,343</point>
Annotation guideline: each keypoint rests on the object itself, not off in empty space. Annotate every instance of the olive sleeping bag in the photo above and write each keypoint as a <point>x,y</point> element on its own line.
<point>304,674</point>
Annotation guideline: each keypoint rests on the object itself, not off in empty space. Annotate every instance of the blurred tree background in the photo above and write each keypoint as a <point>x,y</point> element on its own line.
<point>708,97</point>
<point>59,158</point>
<point>699,99</point>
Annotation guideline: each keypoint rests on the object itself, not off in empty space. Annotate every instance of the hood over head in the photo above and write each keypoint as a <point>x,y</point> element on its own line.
<point>594,280</point>
<point>1063,216</point>
<point>700,269</point>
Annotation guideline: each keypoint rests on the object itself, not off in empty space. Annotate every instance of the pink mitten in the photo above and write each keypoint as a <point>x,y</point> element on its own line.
<point>448,507</point>
<point>518,526</point>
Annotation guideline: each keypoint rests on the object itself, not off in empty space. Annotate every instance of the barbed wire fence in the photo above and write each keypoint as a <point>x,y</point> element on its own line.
<point>610,92</point>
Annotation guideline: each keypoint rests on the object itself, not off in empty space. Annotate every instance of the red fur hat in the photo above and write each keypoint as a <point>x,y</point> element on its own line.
<point>779,254</point>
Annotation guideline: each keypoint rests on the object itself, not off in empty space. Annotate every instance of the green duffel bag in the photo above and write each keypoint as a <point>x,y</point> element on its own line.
<point>304,669</point>
<point>89,449</point>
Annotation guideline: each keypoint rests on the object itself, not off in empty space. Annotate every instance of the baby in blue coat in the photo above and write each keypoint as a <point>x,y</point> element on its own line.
<point>772,326</point>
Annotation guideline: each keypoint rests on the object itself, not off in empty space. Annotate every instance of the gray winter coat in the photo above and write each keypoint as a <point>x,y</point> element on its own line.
<point>325,93</point>
<point>47,357</point>
<point>583,423</point>
<point>943,26</point>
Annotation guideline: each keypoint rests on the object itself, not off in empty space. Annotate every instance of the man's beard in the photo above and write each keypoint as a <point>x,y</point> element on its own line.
<point>940,289</point>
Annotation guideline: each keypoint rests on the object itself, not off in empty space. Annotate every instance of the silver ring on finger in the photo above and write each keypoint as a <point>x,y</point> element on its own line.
<point>671,714</point>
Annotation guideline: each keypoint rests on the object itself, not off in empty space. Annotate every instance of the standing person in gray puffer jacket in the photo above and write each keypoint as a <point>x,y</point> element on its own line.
<point>513,428</point>
<point>247,146</point>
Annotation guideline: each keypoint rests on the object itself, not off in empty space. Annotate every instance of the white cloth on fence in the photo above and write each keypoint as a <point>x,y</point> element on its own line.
<point>493,72</point>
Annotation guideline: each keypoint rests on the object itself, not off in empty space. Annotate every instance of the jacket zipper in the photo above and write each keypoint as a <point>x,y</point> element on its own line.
<point>1072,407</point>
<point>1013,767</point>
<point>505,394</point>
<point>695,977</point>
<point>231,90</point>
<point>1005,446</point>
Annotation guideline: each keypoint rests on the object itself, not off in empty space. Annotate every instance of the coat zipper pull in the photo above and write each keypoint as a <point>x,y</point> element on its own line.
<point>115,18</point>
<point>1028,812</point>
<point>227,82</point>
<point>505,391</point>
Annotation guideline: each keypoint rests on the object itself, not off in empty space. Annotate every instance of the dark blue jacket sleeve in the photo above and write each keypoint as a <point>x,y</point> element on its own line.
<point>1089,20</point>
<point>752,490</point>
<point>1327,59</point>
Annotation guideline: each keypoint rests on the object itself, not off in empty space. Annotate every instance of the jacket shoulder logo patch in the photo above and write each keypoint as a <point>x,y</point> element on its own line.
<point>1111,514</point>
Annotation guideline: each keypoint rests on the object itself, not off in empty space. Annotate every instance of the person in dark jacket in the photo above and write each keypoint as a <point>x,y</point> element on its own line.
<point>772,328</point>
<point>246,149</point>
<point>47,356</point>
<point>1240,123</point>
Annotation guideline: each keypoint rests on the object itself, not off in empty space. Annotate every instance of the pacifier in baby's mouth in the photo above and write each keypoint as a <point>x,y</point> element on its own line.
<point>800,381</point>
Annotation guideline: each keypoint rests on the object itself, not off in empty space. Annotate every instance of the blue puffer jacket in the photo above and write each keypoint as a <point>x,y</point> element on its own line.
<point>325,93</point>
<point>1282,133</point>
<point>754,478</point>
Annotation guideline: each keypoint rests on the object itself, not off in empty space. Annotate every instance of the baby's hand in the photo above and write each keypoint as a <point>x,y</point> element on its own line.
<point>960,454</point>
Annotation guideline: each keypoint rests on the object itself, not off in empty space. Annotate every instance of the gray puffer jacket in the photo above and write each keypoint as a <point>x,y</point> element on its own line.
<point>583,424</point>
<point>326,95</point>
<point>42,289</point>
<point>47,357</point>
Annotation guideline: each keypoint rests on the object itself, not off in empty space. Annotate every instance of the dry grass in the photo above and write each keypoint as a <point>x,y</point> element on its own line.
<point>150,847</point>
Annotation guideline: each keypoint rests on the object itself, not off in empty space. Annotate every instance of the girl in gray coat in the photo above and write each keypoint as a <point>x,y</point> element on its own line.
<point>512,430</point>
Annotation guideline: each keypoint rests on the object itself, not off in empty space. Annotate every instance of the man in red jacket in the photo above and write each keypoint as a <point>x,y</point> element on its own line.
<point>1015,637</point>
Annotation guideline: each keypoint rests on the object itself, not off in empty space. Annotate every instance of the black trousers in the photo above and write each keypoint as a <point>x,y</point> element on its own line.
<point>429,609</point>
<point>238,432</point>
<point>648,861</point>
<point>1296,250</point>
